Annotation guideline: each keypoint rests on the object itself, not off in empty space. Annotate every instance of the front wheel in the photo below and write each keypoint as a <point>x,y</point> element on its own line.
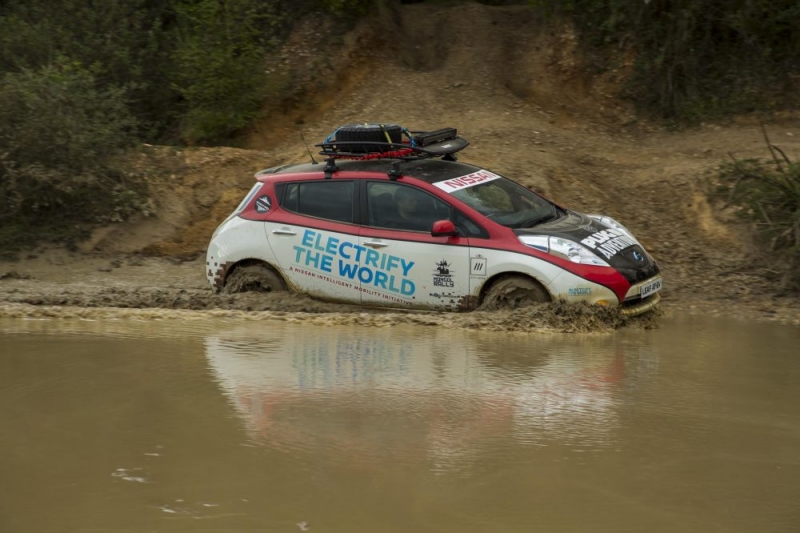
<point>514,293</point>
<point>253,278</point>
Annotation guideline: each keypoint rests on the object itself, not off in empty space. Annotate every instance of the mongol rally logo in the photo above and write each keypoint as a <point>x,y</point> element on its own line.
<point>355,262</point>
<point>456,184</point>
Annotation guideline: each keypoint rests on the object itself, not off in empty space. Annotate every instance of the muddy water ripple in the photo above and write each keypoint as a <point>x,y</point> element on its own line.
<point>122,421</point>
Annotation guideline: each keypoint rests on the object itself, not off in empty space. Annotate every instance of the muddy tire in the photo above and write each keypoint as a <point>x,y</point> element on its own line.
<point>514,293</point>
<point>253,278</point>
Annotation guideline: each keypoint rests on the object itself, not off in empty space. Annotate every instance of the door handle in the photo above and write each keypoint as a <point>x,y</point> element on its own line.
<point>284,231</point>
<point>375,244</point>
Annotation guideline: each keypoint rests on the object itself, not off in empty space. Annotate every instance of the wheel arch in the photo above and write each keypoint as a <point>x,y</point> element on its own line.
<point>229,268</point>
<point>487,285</point>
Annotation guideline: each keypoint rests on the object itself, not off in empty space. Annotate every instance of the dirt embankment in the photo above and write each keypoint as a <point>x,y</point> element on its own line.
<point>518,91</point>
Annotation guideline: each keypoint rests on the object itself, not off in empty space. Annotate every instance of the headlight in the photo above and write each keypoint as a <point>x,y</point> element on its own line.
<point>610,222</point>
<point>563,248</point>
<point>574,252</point>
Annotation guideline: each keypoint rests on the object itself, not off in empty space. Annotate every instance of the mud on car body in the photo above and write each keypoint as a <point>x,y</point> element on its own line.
<point>392,219</point>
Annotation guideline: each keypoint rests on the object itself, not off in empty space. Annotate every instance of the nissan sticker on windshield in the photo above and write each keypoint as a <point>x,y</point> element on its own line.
<point>469,180</point>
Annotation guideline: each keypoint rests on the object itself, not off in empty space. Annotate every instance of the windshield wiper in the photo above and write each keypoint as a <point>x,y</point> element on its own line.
<point>542,219</point>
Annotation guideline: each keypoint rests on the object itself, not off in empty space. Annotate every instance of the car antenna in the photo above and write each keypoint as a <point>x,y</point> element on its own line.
<point>307,148</point>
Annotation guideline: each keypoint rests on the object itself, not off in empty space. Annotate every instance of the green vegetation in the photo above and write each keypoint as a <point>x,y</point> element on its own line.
<point>700,59</point>
<point>220,62</point>
<point>58,135</point>
<point>82,81</point>
<point>194,70</point>
<point>767,194</point>
<point>695,58</point>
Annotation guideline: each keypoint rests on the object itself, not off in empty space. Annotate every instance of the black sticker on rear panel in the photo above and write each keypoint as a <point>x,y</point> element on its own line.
<point>263,203</point>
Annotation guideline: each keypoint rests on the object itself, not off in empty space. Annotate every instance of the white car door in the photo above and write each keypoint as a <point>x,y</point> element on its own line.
<point>400,263</point>
<point>314,239</point>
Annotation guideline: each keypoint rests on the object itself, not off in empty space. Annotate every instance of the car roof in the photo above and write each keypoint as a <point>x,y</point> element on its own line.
<point>428,170</point>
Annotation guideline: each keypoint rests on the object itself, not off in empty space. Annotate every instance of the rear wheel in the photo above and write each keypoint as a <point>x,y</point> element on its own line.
<point>514,293</point>
<point>253,278</point>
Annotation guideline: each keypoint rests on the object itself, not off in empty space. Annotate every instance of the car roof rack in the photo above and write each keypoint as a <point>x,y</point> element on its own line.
<point>389,141</point>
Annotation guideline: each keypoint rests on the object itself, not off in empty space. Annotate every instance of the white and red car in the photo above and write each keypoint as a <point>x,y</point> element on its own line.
<point>392,219</point>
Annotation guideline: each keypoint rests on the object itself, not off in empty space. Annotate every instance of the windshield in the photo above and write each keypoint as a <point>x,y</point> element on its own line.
<point>507,203</point>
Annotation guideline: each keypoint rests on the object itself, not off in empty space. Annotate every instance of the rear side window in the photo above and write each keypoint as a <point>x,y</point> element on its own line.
<point>331,200</point>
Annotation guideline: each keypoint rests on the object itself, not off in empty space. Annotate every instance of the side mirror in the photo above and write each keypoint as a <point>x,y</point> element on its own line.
<point>443,228</point>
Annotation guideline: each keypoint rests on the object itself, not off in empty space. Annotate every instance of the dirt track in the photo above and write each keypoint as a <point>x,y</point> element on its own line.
<point>518,93</point>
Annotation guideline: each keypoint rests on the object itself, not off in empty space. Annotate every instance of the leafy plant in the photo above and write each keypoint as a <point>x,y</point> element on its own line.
<point>59,134</point>
<point>124,43</point>
<point>767,194</point>
<point>695,58</point>
<point>221,66</point>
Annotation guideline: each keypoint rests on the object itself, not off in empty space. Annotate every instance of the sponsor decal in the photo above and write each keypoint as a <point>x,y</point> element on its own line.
<point>263,203</point>
<point>462,182</point>
<point>351,261</point>
<point>608,242</point>
<point>359,288</point>
<point>442,275</point>
<point>579,291</point>
<point>477,266</point>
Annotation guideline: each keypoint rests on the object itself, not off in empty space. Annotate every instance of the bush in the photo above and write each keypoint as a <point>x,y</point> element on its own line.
<point>56,117</point>
<point>58,134</point>
<point>696,58</point>
<point>767,194</point>
<point>345,7</point>
<point>194,70</point>
<point>126,43</point>
<point>221,66</point>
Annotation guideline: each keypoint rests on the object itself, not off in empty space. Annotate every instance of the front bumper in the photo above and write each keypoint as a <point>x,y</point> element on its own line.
<point>641,306</point>
<point>634,304</point>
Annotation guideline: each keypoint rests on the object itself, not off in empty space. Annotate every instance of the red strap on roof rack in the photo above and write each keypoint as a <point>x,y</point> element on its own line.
<point>377,155</point>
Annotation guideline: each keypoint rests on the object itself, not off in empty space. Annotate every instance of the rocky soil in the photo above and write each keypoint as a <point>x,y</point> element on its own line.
<point>518,91</point>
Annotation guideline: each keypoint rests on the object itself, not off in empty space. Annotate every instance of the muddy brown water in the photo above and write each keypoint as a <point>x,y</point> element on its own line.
<point>211,425</point>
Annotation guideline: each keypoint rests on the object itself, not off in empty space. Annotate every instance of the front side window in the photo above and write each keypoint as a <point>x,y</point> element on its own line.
<point>395,206</point>
<point>331,200</point>
<point>467,227</point>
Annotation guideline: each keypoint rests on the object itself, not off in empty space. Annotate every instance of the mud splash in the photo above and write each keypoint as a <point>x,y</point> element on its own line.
<point>183,304</point>
<point>88,288</point>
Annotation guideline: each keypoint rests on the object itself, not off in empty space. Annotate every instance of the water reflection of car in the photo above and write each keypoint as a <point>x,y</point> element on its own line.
<point>385,393</point>
<point>376,223</point>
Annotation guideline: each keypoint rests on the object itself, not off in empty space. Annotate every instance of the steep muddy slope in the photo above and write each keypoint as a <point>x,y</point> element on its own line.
<point>517,90</point>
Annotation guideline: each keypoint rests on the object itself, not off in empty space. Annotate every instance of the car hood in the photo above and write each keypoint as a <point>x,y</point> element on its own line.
<point>613,246</point>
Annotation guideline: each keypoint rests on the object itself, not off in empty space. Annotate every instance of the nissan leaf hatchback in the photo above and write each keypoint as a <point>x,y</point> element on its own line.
<point>392,219</point>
